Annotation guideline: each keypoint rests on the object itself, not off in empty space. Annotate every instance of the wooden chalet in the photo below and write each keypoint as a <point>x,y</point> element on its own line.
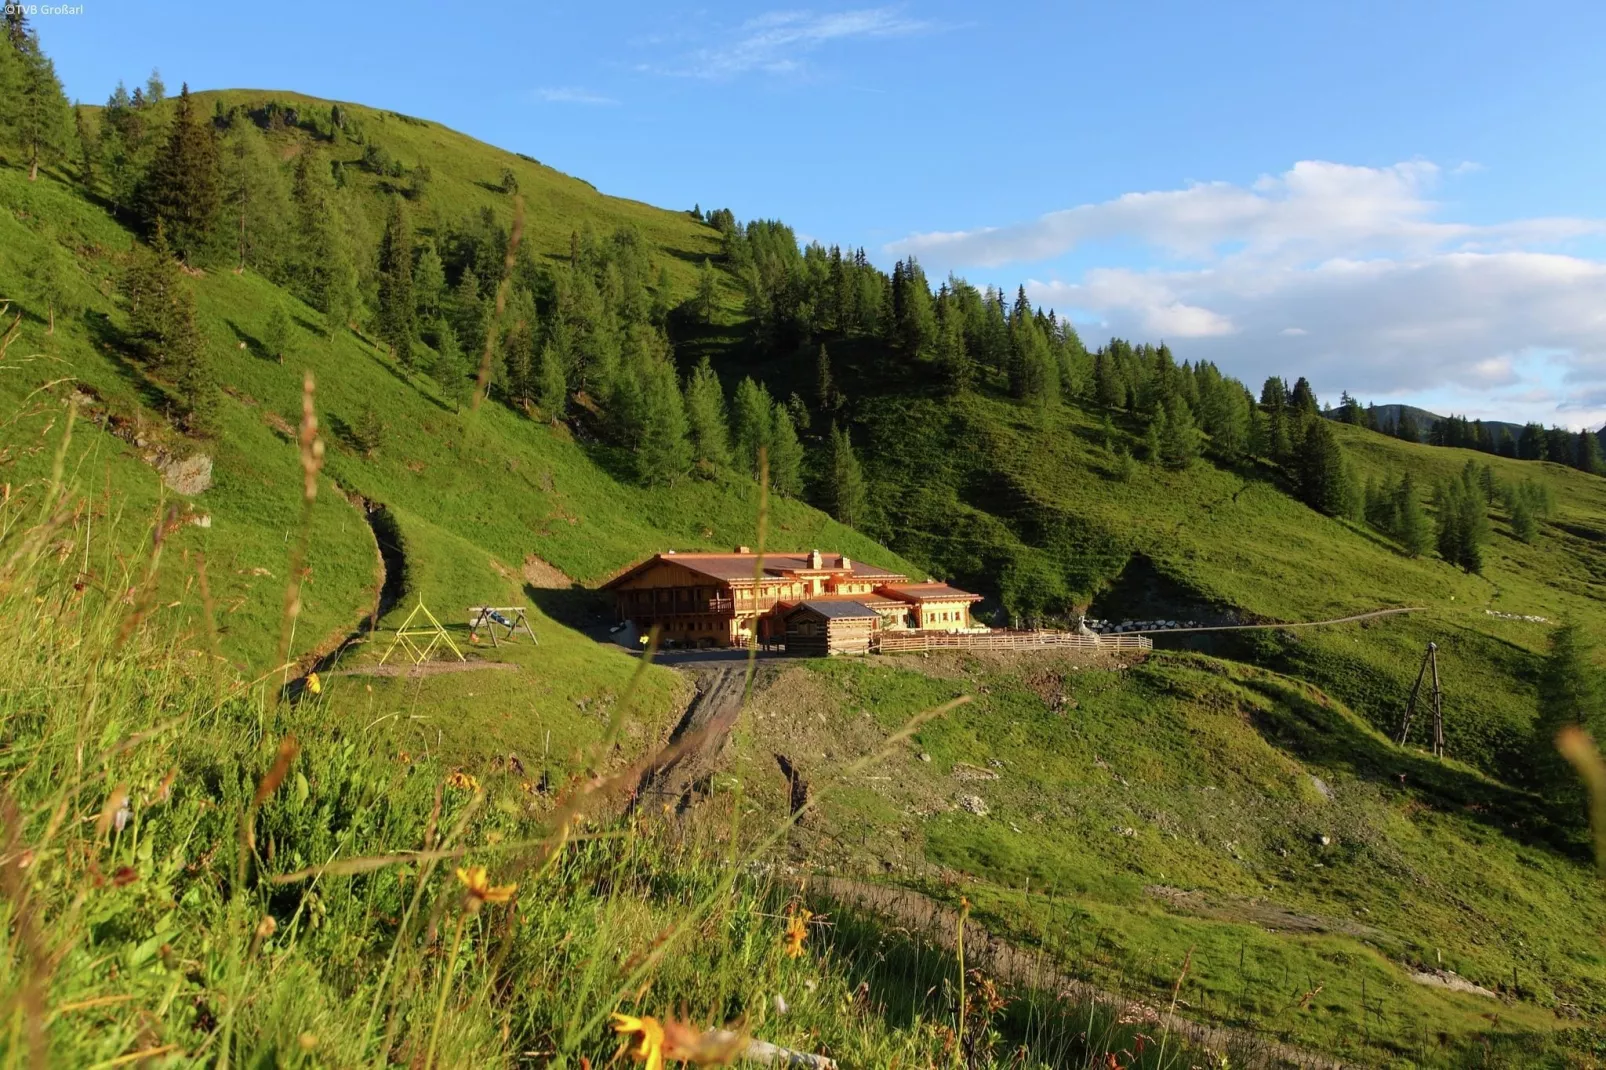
<point>736,599</point>
<point>817,629</point>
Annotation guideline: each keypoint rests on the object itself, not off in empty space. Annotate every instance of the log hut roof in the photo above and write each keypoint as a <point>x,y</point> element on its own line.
<point>835,609</point>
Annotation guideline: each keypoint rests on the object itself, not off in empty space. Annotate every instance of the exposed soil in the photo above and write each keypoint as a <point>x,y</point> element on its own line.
<point>1003,960</point>
<point>543,576</point>
<point>682,782</point>
<point>429,668</point>
<point>1268,916</point>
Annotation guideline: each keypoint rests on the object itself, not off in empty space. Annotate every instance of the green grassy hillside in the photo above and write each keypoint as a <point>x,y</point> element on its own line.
<point>482,498</point>
<point>1132,813</point>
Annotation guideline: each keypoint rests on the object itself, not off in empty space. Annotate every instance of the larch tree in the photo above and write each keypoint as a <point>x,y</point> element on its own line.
<point>844,491</point>
<point>1179,436</point>
<point>1412,527</point>
<point>785,455</point>
<point>552,384</point>
<point>705,411</point>
<point>429,283</point>
<point>753,422</point>
<point>665,452</point>
<point>257,201</point>
<point>38,111</point>
<point>707,292</point>
<point>277,334</point>
<point>449,369</point>
<point>49,281</point>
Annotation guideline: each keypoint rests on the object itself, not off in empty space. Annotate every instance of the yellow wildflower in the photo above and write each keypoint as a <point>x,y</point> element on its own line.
<point>463,781</point>
<point>797,930</point>
<point>646,1034</point>
<point>481,890</point>
<point>314,684</point>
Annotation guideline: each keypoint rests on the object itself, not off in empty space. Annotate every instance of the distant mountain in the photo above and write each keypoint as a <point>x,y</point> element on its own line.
<point>1388,417</point>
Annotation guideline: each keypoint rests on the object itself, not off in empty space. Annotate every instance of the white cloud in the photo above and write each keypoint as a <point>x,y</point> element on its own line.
<point>778,42</point>
<point>1390,300</point>
<point>572,95</point>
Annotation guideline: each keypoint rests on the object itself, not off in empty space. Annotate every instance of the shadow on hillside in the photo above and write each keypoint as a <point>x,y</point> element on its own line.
<point>252,343</point>
<point>1319,734</point>
<point>580,608</point>
<point>111,341</point>
<point>409,381</point>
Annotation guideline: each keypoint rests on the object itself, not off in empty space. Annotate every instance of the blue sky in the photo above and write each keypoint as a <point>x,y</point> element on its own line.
<point>1402,199</point>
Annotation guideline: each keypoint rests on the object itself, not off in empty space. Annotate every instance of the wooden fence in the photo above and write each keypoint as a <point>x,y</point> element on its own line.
<point>906,642</point>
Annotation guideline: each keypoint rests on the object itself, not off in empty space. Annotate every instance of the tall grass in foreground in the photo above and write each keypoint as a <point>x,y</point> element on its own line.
<point>195,870</point>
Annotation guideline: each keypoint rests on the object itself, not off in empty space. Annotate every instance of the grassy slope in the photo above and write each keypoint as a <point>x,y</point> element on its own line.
<point>474,493</point>
<point>1119,847</point>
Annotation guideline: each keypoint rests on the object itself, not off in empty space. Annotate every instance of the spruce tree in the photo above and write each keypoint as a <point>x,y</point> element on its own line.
<point>1570,694</point>
<point>1319,469</point>
<point>552,385</point>
<point>825,392</point>
<point>844,491</point>
<point>189,365</point>
<point>184,186</point>
<point>705,412</point>
<point>397,308</point>
<point>785,455</point>
<point>1303,399</point>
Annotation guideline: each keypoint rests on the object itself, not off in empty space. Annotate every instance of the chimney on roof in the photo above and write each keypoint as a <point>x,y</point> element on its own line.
<point>847,566</point>
<point>743,550</point>
<point>815,560</point>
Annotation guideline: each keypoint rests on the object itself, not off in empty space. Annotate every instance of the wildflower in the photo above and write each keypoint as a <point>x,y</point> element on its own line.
<point>462,781</point>
<point>797,930</point>
<point>481,890</point>
<point>314,684</point>
<point>646,1035</point>
<point>404,758</point>
<point>527,786</point>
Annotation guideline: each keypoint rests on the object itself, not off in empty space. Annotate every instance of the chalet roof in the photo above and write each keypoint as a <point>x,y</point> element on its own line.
<point>927,592</point>
<point>735,568</point>
<point>836,610</point>
<point>870,601</point>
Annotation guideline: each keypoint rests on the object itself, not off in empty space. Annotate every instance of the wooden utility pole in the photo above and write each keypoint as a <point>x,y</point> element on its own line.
<point>1430,663</point>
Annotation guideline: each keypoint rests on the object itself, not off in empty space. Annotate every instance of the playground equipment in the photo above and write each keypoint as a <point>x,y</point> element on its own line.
<point>493,617</point>
<point>418,641</point>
